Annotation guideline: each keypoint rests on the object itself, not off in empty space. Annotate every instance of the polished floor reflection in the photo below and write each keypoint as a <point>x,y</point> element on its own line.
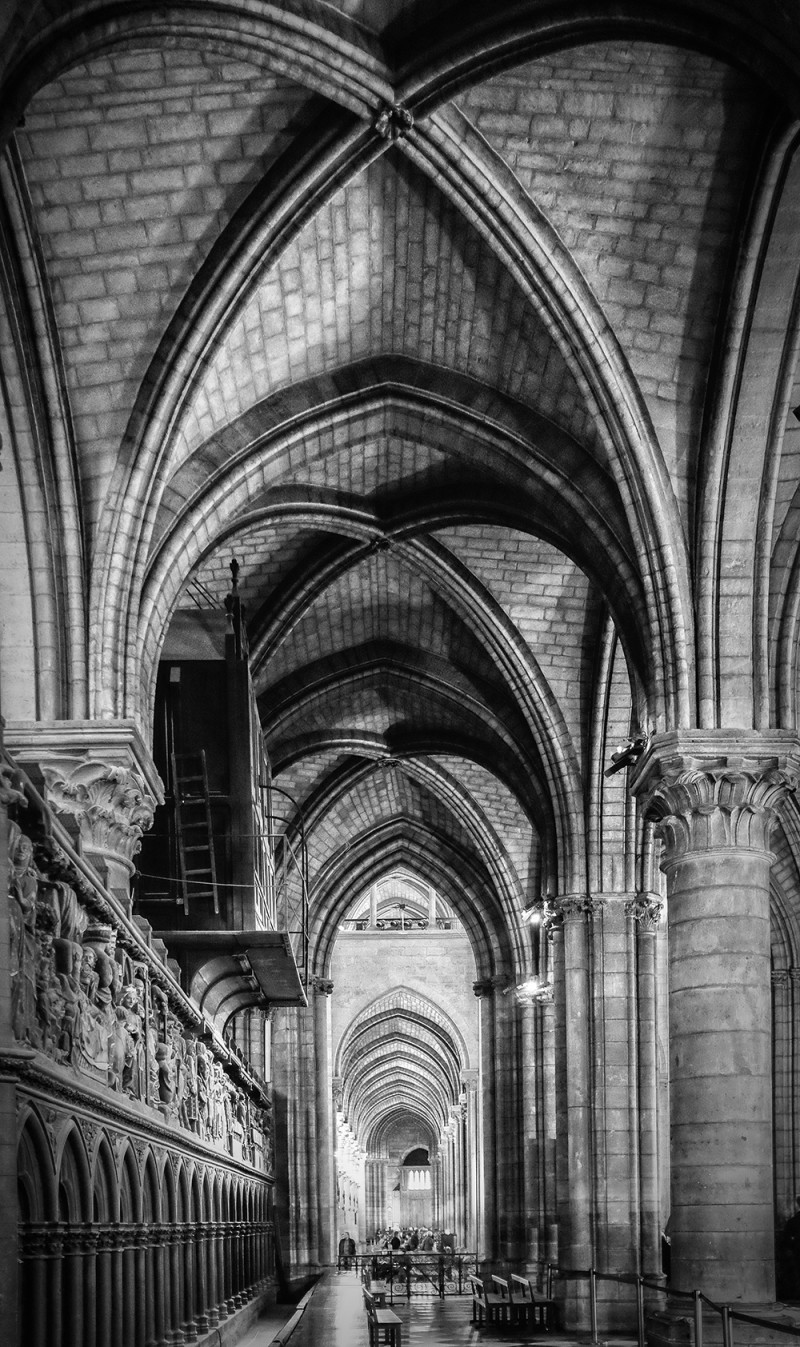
<point>335,1317</point>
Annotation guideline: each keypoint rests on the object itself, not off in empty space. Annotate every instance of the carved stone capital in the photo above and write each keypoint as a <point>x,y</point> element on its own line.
<point>572,906</point>
<point>111,804</point>
<point>322,986</point>
<point>715,791</point>
<point>99,774</point>
<point>483,987</point>
<point>646,910</point>
<point>716,807</point>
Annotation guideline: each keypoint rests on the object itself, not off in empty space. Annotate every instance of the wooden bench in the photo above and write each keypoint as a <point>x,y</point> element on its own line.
<point>384,1325</point>
<point>542,1311</point>
<point>487,1306</point>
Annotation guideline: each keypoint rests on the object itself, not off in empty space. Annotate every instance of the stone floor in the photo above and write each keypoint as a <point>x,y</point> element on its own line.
<point>334,1317</point>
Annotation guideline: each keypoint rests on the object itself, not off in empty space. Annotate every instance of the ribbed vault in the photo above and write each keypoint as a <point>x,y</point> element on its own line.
<point>401,1054</point>
<point>473,332</point>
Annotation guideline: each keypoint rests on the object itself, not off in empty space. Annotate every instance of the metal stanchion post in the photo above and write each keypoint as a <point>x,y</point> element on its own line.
<point>640,1308</point>
<point>593,1301</point>
<point>698,1320</point>
<point>727,1327</point>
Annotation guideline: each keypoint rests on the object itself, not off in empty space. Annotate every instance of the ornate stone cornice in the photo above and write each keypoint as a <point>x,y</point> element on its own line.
<point>706,791</point>
<point>646,910</point>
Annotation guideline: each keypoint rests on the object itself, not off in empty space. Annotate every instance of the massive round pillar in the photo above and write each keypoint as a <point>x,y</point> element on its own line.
<point>714,818</point>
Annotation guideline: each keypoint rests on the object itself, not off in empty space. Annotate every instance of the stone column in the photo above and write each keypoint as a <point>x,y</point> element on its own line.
<point>508,1128</point>
<point>294,1072</point>
<point>487,1181</point>
<point>531,1122</point>
<point>105,1290</point>
<point>33,1283</point>
<point>548,1210</point>
<point>576,1247</point>
<point>645,911</point>
<point>713,812</point>
<point>326,1197</point>
<point>470,1080</point>
<point>131,1309</point>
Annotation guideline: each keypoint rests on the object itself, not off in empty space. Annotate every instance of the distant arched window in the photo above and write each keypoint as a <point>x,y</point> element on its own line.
<point>416,1168</point>
<point>419,1178</point>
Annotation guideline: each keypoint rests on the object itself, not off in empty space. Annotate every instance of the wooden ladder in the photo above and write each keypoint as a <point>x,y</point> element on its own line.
<point>193,828</point>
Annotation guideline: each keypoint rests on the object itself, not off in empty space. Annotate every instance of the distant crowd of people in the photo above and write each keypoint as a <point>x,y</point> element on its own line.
<point>413,1239</point>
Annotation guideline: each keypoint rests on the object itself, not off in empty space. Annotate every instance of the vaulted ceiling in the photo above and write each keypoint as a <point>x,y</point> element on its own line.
<point>449,322</point>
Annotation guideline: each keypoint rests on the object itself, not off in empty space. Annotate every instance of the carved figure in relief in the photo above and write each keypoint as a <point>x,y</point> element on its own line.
<point>189,1111</point>
<point>216,1102</point>
<point>89,980</point>
<point>23,887</point>
<point>166,1078</point>
<point>129,1018</point>
<point>50,1003</point>
<point>71,993</point>
<point>90,1034</point>
<point>178,1048</point>
<point>204,1087</point>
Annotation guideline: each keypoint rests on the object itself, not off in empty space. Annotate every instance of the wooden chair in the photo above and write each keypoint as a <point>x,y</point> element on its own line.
<point>542,1311</point>
<point>520,1310</point>
<point>383,1325</point>
<point>488,1307</point>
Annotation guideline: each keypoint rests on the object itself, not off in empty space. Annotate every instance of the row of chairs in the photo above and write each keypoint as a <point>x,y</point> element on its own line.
<point>511,1301</point>
<point>383,1324</point>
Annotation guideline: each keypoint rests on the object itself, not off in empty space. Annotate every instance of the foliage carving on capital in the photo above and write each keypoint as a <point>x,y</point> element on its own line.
<point>715,806</point>
<point>322,986</point>
<point>111,803</point>
<point>572,905</point>
<point>646,910</point>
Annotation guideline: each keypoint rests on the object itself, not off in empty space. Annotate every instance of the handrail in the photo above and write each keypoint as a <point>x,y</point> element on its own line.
<point>727,1313</point>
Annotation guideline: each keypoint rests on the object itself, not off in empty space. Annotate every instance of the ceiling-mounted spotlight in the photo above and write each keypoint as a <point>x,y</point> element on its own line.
<point>627,754</point>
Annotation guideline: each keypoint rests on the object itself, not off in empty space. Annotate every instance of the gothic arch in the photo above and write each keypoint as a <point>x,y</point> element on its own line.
<point>411,1002</point>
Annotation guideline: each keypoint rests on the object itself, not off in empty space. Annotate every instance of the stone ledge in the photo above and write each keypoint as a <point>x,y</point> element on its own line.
<point>237,1324</point>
